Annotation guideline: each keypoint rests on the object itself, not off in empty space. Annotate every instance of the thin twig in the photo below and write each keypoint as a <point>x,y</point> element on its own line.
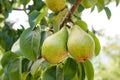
<point>19,9</point>
<point>70,13</point>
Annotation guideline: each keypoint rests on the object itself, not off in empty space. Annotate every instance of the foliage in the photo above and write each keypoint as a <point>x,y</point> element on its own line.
<point>111,52</point>
<point>26,62</point>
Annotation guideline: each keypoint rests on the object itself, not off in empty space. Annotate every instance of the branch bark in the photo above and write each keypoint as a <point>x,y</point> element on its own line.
<point>19,9</point>
<point>70,13</point>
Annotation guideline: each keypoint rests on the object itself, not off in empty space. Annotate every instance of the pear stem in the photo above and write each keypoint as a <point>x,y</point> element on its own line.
<point>70,13</point>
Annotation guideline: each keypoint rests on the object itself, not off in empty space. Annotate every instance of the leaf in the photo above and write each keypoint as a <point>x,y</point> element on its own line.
<point>12,66</point>
<point>38,4</point>
<point>92,9</point>
<point>13,70</point>
<point>24,2</point>
<point>56,20</point>
<point>49,73</point>
<point>43,35</point>
<point>108,12</point>
<point>24,75</point>
<point>30,43</point>
<point>35,67</point>
<point>16,48</point>
<point>100,5</point>
<point>4,77</point>
<point>117,2</point>
<point>97,43</point>
<point>7,58</point>
<point>82,24</point>
<point>89,70</point>
<point>88,3</point>
<point>7,9</point>
<point>32,18</point>
<point>1,70</point>
<point>76,77</point>
<point>1,17</point>
<point>69,69</point>
<point>59,72</point>
<point>41,15</point>
<point>39,68</point>
<point>26,64</point>
<point>81,71</point>
<point>80,8</point>
<point>29,77</point>
<point>35,17</point>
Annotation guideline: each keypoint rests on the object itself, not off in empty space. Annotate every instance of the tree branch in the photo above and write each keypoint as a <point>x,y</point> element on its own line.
<point>19,9</point>
<point>70,13</point>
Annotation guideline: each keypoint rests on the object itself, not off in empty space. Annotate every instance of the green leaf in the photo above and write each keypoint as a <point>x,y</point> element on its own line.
<point>92,9</point>
<point>4,77</point>
<point>38,4</point>
<point>69,69</point>
<point>26,64</point>
<point>41,15</point>
<point>32,17</point>
<point>59,72</point>
<point>108,12</point>
<point>7,58</point>
<point>76,77</point>
<point>80,9</point>
<point>1,70</point>
<point>82,24</point>
<point>117,2</point>
<point>35,67</point>
<point>24,75</point>
<point>24,2</point>
<point>7,8</point>
<point>30,43</point>
<point>1,18</point>
<point>81,71</point>
<point>88,3</point>
<point>29,77</point>
<point>16,48</point>
<point>49,73</point>
<point>56,20</point>
<point>89,70</point>
<point>97,43</point>
<point>100,5</point>
<point>13,70</point>
<point>12,66</point>
<point>35,17</point>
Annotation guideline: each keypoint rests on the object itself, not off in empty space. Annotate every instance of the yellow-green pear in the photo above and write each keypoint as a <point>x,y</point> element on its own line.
<point>80,44</point>
<point>55,5</point>
<point>54,48</point>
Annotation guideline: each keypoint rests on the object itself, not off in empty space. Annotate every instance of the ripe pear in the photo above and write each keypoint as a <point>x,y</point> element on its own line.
<point>54,48</point>
<point>55,5</point>
<point>80,44</point>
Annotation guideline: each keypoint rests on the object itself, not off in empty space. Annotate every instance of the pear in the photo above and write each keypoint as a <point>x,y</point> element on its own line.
<point>80,44</point>
<point>55,5</point>
<point>54,48</point>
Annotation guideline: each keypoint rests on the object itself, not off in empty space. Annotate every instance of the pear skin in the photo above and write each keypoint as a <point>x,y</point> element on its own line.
<point>55,5</point>
<point>80,44</point>
<point>54,48</point>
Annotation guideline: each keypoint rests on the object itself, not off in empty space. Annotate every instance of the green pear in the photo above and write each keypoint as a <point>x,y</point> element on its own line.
<point>55,5</point>
<point>54,48</point>
<point>80,44</point>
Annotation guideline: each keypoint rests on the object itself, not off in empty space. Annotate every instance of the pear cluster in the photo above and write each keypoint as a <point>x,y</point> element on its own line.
<point>77,43</point>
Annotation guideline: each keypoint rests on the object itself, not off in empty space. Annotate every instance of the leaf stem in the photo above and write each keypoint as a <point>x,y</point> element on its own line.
<point>70,13</point>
